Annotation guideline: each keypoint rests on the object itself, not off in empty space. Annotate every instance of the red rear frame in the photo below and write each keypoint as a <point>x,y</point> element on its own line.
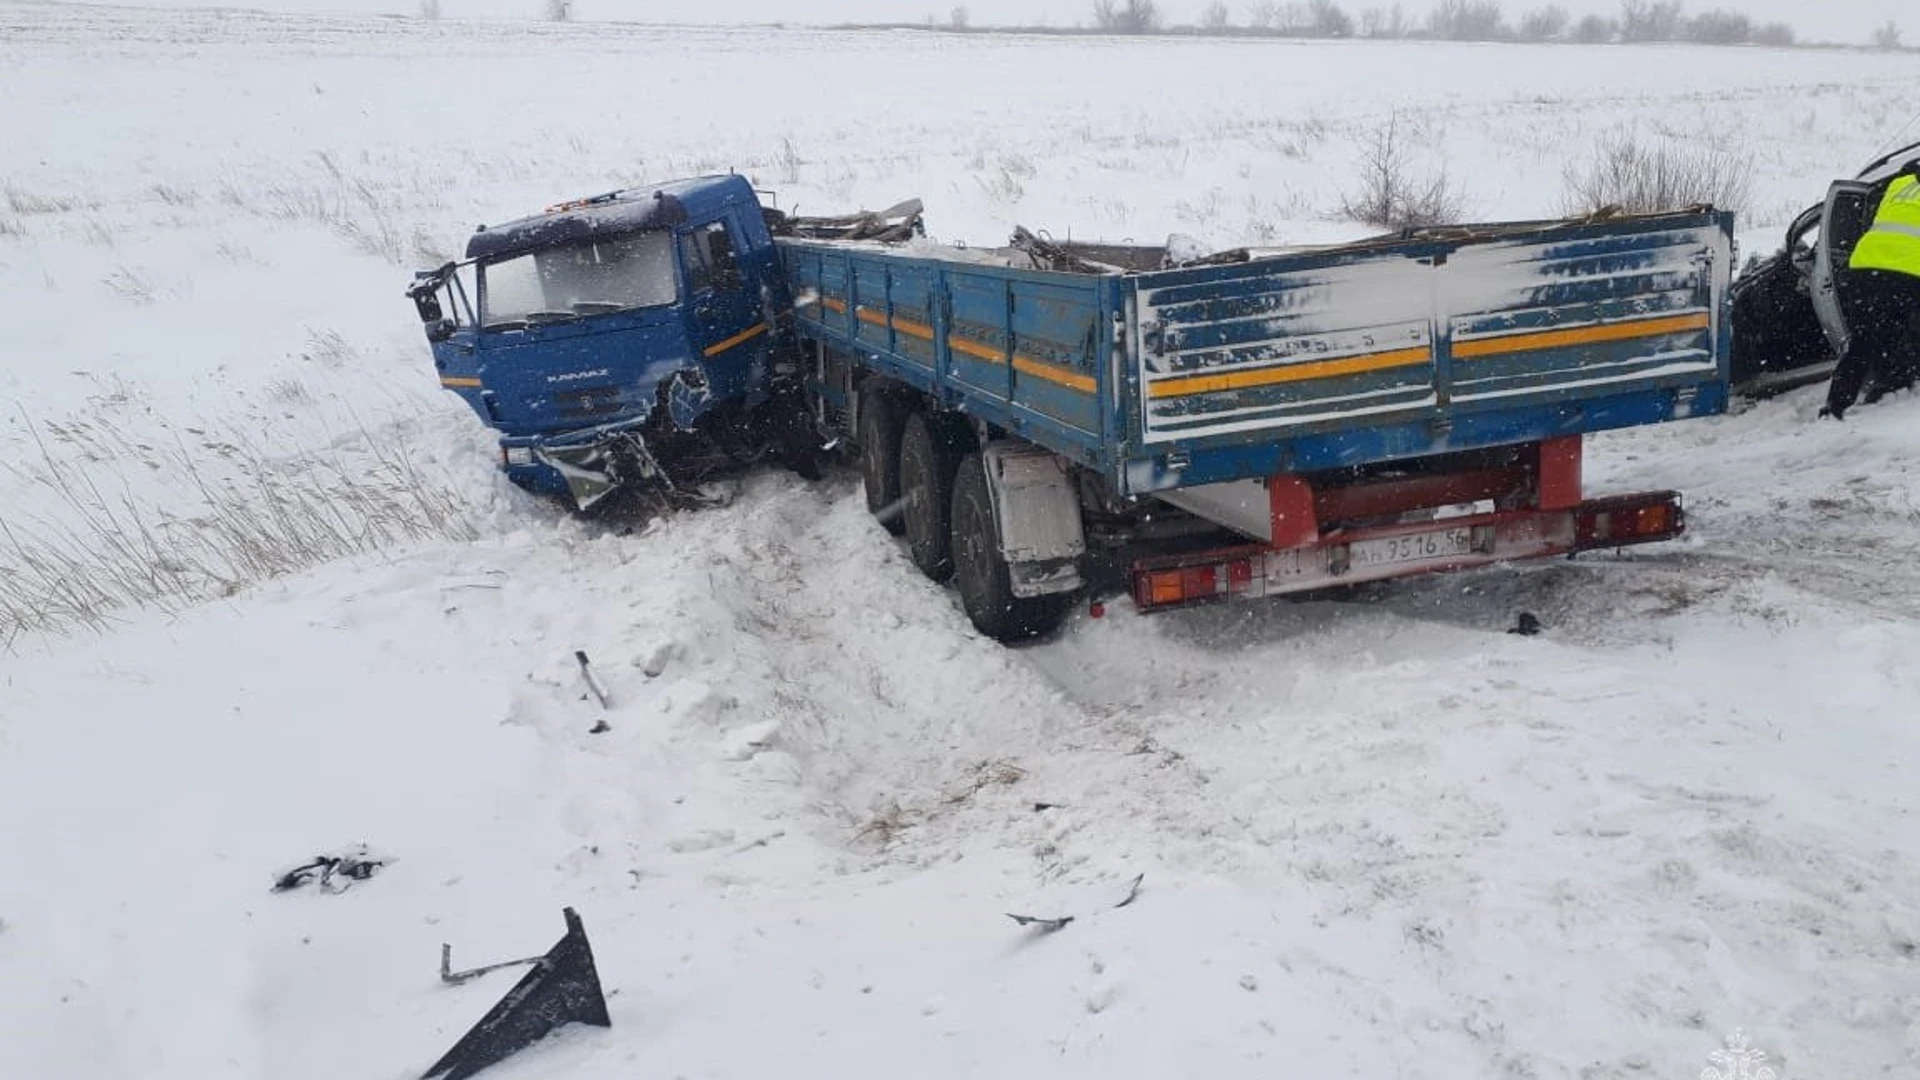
<point>1394,528</point>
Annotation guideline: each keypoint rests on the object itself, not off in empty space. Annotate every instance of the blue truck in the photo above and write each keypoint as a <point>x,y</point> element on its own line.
<point>1049,418</point>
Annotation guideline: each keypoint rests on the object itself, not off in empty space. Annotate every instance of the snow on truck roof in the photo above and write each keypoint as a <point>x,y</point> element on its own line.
<point>615,213</point>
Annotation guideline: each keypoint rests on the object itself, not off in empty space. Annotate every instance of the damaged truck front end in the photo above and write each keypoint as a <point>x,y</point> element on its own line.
<point>605,337</point>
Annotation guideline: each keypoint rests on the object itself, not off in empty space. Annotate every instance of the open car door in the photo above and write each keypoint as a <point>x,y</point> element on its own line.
<point>1843,222</point>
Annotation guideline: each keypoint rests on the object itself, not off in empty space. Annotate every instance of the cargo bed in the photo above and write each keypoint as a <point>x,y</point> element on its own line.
<point>1403,347</point>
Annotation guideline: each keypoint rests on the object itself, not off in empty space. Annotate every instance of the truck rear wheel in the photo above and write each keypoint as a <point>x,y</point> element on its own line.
<point>980,571</point>
<point>881,418</point>
<point>930,452</point>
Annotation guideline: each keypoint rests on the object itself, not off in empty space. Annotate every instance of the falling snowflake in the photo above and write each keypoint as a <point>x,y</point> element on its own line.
<point>1739,1061</point>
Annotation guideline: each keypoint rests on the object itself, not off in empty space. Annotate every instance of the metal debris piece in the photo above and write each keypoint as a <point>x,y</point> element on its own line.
<point>593,681</point>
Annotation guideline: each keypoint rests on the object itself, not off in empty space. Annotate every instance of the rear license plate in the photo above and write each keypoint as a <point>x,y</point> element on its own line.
<point>1417,547</point>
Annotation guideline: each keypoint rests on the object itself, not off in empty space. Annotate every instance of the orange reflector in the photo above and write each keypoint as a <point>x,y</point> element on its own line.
<point>1163,587</point>
<point>1627,525</point>
<point>1653,520</point>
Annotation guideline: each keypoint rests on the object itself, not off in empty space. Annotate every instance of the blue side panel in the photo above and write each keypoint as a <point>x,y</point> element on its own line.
<point>1498,335</point>
<point>835,282</point>
<point>1507,334</point>
<point>1026,351</point>
<point>868,301</point>
<point>1533,320</point>
<point>910,292</point>
<point>977,341</point>
<point>1057,331</point>
<point>1275,345</point>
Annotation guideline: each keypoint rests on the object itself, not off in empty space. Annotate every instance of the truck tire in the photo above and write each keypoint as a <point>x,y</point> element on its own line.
<point>881,418</point>
<point>931,448</point>
<point>980,572</point>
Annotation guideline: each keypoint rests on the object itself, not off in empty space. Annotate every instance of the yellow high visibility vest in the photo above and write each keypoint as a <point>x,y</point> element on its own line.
<point>1894,241</point>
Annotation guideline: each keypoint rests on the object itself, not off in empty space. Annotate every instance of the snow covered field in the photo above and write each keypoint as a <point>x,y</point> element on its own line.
<point>1379,838</point>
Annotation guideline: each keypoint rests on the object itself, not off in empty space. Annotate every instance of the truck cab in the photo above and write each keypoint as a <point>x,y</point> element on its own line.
<point>586,332</point>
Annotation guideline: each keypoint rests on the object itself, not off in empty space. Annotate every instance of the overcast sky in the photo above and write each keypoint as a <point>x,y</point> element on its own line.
<point>1816,20</point>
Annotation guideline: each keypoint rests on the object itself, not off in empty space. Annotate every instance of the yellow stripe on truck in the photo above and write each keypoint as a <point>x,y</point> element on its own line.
<point>908,327</point>
<point>1579,335</point>
<point>748,334</point>
<point>1053,373</point>
<point>1026,365</point>
<point>459,381</point>
<point>976,350</point>
<point>1185,385</point>
<point>913,329</point>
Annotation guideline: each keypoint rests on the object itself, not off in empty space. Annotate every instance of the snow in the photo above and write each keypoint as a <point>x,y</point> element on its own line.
<point>1379,836</point>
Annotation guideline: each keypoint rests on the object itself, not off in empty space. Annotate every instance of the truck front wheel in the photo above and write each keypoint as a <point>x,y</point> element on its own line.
<point>930,453</point>
<point>980,571</point>
<point>881,418</point>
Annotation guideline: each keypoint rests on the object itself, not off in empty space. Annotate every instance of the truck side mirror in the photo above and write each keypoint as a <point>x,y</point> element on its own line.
<point>428,305</point>
<point>440,330</point>
<point>425,294</point>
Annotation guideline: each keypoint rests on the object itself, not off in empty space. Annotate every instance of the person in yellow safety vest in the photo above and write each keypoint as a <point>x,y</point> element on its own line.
<point>1880,298</point>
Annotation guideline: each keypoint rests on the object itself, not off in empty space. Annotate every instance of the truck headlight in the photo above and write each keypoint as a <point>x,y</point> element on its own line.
<point>517,455</point>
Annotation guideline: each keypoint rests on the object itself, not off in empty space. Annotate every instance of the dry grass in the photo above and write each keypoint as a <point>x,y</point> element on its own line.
<point>885,826</point>
<point>26,203</point>
<point>112,550</point>
<point>1628,174</point>
<point>1392,191</point>
<point>174,195</point>
<point>132,283</point>
<point>328,348</point>
<point>359,211</point>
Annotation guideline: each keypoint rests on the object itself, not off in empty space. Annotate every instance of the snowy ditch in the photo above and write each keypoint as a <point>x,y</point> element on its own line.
<point>1377,837</point>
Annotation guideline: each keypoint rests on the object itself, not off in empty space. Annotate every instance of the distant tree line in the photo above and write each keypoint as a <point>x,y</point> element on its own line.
<point>1639,21</point>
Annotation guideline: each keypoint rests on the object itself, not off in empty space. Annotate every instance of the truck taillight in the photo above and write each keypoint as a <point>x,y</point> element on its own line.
<point>1239,575</point>
<point>1652,520</point>
<point>1627,524</point>
<point>1164,587</point>
<point>1192,584</point>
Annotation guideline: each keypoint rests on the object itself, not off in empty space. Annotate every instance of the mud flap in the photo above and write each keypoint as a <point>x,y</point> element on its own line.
<point>1037,513</point>
<point>563,988</point>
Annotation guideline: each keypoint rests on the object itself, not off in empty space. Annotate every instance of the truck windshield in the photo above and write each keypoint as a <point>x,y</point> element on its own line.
<point>587,278</point>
